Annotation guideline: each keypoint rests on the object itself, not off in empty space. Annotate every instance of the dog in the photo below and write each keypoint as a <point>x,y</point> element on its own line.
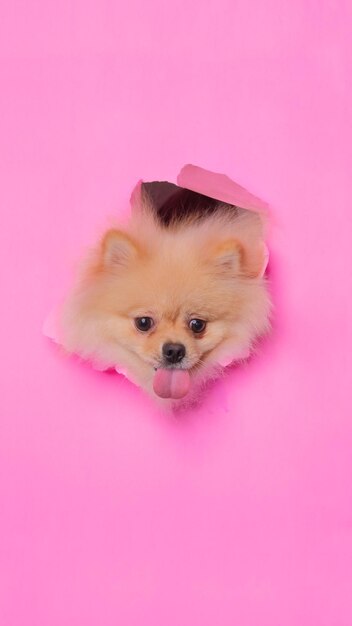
<point>174,295</point>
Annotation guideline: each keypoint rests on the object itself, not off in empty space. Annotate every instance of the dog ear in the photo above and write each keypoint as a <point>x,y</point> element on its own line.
<point>255,259</point>
<point>235,258</point>
<point>227,257</point>
<point>118,249</point>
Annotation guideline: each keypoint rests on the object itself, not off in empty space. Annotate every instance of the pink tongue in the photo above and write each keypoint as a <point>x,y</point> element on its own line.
<point>169,383</point>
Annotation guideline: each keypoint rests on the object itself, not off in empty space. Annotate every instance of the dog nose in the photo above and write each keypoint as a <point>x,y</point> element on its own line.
<point>173,352</point>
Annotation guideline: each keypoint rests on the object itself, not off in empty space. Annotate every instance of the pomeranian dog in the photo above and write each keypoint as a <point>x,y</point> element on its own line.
<point>173,296</point>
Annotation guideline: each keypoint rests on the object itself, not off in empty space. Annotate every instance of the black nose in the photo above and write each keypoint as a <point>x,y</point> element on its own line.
<point>173,352</point>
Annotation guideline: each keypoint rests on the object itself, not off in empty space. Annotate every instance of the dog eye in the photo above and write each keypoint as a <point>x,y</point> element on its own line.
<point>197,326</point>
<point>144,323</point>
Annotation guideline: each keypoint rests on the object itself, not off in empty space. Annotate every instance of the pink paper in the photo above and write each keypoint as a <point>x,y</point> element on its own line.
<point>220,187</point>
<point>237,513</point>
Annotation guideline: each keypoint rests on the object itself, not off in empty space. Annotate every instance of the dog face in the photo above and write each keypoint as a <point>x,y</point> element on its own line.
<point>173,305</point>
<point>164,303</point>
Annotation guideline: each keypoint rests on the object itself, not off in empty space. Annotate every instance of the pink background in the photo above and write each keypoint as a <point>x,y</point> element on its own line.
<point>240,513</point>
